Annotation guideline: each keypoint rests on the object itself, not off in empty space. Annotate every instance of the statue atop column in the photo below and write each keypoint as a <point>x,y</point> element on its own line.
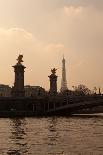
<point>19,59</point>
<point>53,71</point>
<point>19,69</point>
<point>53,81</point>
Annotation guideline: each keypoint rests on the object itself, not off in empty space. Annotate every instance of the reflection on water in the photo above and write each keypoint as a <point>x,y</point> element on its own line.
<point>52,136</point>
<point>19,144</point>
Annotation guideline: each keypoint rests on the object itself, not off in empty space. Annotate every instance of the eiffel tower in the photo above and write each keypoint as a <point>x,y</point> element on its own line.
<point>63,81</point>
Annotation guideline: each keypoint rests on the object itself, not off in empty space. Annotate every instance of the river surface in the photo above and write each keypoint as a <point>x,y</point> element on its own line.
<point>52,136</point>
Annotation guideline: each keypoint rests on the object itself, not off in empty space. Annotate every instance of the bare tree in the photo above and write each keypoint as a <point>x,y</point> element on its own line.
<point>81,90</point>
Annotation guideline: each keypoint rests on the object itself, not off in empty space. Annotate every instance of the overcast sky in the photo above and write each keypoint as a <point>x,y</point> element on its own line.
<point>44,30</point>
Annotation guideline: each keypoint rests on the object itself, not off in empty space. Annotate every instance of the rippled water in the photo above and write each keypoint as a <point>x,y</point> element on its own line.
<point>52,136</point>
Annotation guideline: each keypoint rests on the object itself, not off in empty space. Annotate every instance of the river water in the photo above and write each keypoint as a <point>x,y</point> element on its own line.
<point>52,136</point>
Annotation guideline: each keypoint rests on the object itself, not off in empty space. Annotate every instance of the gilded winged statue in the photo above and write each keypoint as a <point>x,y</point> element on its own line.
<point>19,59</point>
<point>53,71</point>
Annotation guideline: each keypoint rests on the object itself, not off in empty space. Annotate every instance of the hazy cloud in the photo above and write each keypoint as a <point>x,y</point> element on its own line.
<point>45,29</point>
<point>37,55</point>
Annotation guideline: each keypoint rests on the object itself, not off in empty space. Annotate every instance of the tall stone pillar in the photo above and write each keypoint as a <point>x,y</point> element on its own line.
<point>18,89</point>
<point>53,82</point>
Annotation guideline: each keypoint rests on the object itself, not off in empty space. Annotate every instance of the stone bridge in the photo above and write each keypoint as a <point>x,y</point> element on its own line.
<point>70,106</point>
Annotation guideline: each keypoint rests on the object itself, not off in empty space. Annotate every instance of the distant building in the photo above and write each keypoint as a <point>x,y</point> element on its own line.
<point>31,91</point>
<point>5,90</point>
<point>64,81</point>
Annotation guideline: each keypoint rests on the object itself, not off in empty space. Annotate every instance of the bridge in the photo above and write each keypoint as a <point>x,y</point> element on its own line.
<point>50,105</point>
<point>68,106</point>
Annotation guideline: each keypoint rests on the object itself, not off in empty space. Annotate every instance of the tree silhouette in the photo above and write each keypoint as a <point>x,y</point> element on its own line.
<point>81,90</point>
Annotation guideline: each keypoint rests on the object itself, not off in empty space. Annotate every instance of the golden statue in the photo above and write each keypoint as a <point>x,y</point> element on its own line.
<point>19,59</point>
<point>53,71</point>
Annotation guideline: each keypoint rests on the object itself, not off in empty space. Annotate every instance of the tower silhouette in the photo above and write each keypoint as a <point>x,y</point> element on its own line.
<point>63,81</point>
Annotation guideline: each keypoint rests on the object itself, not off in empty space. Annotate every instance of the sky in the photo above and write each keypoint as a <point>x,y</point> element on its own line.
<point>44,30</point>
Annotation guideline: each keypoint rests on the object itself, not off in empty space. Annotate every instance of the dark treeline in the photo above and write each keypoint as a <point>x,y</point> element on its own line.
<point>82,90</point>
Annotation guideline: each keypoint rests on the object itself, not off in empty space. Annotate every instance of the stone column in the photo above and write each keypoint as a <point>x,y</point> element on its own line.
<point>18,89</point>
<point>53,82</point>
